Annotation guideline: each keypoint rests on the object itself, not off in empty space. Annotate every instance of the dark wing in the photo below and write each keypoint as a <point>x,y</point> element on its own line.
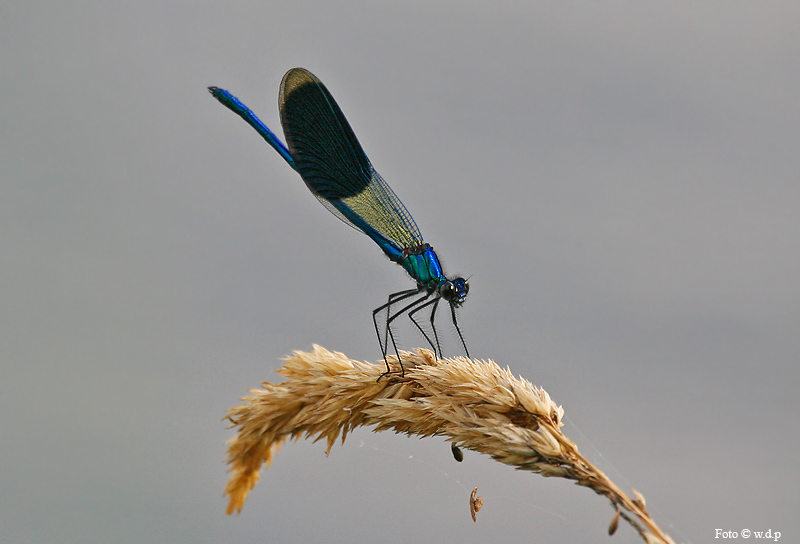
<point>330,160</point>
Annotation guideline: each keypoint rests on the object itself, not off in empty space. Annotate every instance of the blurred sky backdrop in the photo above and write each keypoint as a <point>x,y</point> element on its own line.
<point>618,179</point>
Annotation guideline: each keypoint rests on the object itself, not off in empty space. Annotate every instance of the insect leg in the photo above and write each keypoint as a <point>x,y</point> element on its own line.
<point>384,342</point>
<point>437,349</point>
<point>397,314</point>
<point>458,330</point>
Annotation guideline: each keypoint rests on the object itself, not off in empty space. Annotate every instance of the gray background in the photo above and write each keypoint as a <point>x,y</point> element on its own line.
<point>619,179</point>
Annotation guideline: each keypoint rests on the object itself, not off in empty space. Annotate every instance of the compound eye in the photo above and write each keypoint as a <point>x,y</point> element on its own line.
<point>461,287</point>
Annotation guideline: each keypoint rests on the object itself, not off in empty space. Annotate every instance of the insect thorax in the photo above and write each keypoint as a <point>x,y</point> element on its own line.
<point>423,265</point>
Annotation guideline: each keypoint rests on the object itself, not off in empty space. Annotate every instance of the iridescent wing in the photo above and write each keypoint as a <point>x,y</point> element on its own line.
<point>330,159</point>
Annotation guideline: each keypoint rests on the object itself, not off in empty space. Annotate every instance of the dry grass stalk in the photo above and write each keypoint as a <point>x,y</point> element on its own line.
<point>475,404</point>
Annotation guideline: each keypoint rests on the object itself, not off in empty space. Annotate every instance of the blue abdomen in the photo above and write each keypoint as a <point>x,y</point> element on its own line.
<point>423,265</point>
